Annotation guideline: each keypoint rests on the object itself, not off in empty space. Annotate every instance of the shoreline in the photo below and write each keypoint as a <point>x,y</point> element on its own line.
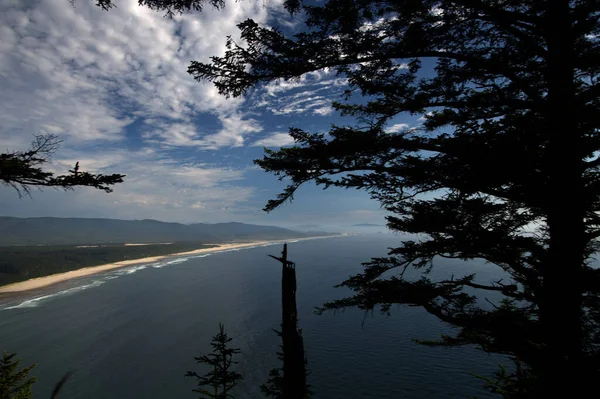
<point>45,281</point>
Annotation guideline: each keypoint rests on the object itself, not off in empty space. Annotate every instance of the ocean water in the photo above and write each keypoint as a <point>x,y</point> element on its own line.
<point>134,332</point>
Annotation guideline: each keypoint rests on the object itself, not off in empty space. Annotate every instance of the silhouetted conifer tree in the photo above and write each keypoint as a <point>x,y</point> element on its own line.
<point>15,383</point>
<point>221,379</point>
<point>22,170</point>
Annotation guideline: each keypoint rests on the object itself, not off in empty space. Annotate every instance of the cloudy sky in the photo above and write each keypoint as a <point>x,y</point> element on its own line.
<point>113,85</point>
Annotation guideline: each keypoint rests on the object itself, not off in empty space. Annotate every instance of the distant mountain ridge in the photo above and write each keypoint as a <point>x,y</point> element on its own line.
<point>368,225</point>
<point>84,231</point>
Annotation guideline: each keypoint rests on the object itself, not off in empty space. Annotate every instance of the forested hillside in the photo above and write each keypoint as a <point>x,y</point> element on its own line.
<point>81,231</point>
<point>21,263</point>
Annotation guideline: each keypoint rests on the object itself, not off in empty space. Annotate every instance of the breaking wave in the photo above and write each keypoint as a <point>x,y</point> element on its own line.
<point>35,302</point>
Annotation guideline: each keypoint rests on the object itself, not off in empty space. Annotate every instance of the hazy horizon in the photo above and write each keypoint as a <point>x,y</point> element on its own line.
<point>354,227</point>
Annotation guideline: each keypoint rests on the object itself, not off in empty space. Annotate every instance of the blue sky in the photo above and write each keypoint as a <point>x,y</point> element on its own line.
<point>114,87</point>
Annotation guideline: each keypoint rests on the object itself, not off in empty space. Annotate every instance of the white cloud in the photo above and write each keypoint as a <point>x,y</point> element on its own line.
<point>173,134</point>
<point>311,93</point>
<point>274,140</point>
<point>323,111</point>
<point>87,74</point>
<point>235,129</point>
<point>301,105</point>
<point>395,128</point>
<point>325,77</point>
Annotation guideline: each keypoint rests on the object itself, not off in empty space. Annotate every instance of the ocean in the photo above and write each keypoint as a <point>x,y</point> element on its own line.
<point>134,332</point>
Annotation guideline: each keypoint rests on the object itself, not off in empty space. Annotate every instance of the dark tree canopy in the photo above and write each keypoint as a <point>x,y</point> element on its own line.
<point>22,170</point>
<point>508,151</point>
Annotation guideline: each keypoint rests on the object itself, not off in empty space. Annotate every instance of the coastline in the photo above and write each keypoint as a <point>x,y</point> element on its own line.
<point>42,282</point>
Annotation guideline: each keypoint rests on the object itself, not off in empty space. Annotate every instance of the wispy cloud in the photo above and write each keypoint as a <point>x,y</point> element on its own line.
<point>235,128</point>
<point>312,93</point>
<point>397,127</point>
<point>234,131</point>
<point>274,140</point>
<point>87,74</point>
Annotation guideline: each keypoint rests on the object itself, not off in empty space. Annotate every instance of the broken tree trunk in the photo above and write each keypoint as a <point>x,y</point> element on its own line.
<point>294,361</point>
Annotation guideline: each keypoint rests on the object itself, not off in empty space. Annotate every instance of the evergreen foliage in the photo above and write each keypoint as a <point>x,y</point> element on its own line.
<point>15,383</point>
<point>218,382</point>
<point>22,170</point>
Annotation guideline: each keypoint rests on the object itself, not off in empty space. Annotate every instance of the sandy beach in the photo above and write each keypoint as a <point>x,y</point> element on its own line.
<point>45,281</point>
<point>41,282</point>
